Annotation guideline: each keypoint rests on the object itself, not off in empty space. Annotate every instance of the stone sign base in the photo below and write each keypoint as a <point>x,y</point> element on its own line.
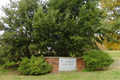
<point>65,63</point>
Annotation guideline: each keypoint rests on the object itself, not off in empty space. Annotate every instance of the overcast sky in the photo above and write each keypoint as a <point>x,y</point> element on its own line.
<point>3,2</point>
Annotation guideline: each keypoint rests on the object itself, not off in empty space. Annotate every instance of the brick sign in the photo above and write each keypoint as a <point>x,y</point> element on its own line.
<point>67,64</point>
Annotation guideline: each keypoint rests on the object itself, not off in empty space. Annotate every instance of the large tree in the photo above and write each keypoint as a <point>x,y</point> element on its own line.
<point>70,26</point>
<point>67,27</point>
<point>17,38</point>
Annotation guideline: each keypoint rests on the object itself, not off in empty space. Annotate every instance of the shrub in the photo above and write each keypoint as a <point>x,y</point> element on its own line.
<point>34,66</point>
<point>96,59</point>
<point>8,64</point>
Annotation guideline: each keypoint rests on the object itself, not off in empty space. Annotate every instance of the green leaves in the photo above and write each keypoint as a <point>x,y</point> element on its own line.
<point>34,66</point>
<point>18,29</point>
<point>96,59</point>
<point>67,27</point>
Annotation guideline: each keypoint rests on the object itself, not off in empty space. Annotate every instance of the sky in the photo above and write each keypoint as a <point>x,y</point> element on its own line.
<point>3,2</point>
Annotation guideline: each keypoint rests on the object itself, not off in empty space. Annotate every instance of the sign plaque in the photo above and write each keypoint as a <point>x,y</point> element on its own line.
<point>67,64</point>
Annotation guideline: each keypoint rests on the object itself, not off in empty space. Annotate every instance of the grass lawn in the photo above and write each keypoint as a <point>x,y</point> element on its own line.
<point>111,73</point>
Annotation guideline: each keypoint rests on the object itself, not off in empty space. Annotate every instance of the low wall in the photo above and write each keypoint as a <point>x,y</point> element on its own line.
<point>65,63</point>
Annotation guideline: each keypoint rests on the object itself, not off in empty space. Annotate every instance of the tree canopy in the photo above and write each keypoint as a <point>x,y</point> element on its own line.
<point>56,28</point>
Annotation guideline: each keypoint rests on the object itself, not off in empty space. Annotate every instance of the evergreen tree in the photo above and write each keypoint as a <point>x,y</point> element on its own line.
<point>17,38</point>
<point>67,27</point>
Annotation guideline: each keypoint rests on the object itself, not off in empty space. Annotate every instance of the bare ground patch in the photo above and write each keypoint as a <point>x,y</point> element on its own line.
<point>116,64</point>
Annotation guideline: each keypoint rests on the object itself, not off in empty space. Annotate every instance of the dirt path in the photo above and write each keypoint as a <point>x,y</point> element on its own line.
<point>116,63</point>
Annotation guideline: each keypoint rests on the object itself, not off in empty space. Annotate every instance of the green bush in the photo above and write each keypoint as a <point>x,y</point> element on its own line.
<point>34,66</point>
<point>8,64</point>
<point>96,59</point>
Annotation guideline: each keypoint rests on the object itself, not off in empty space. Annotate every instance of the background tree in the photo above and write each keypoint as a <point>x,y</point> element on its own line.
<point>112,8</point>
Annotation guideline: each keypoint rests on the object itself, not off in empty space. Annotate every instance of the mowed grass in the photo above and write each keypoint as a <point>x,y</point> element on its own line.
<point>111,73</point>
<point>114,54</point>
